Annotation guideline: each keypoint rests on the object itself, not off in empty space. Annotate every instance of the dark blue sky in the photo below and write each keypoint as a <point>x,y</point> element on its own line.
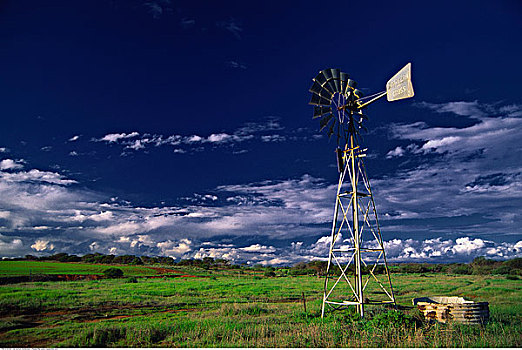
<point>183,128</point>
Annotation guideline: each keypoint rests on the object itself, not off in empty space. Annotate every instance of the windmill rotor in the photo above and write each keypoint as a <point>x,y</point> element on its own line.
<point>334,97</point>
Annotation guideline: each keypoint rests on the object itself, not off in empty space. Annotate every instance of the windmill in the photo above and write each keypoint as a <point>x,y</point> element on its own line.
<point>357,266</point>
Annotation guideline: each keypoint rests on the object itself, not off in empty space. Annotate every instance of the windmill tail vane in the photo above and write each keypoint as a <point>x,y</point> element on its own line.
<point>357,272</point>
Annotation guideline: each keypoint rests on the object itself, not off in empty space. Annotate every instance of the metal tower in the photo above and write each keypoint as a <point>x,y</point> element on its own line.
<point>357,266</point>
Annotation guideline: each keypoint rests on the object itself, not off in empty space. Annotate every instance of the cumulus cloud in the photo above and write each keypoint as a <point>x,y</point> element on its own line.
<point>111,138</point>
<point>9,164</point>
<point>35,175</point>
<point>397,152</point>
<point>74,138</point>
<point>41,245</point>
<point>175,249</point>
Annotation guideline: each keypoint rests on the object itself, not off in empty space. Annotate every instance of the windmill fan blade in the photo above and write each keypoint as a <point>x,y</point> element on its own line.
<point>324,121</point>
<point>320,111</point>
<point>331,129</point>
<point>336,80</point>
<point>319,101</point>
<point>324,96</point>
<point>320,78</point>
<point>327,73</point>
<point>344,78</point>
<point>329,82</point>
<point>351,84</point>
<point>316,87</point>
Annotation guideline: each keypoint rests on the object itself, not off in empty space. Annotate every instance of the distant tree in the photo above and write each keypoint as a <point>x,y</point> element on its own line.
<point>482,261</point>
<point>62,257</point>
<point>269,273</point>
<point>31,258</point>
<point>502,270</point>
<point>73,258</point>
<point>113,272</point>
<point>515,263</point>
<point>461,269</point>
<point>92,258</point>
<point>107,259</point>
<point>165,260</point>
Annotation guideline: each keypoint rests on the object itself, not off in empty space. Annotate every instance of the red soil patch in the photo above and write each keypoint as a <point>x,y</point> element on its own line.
<point>162,270</point>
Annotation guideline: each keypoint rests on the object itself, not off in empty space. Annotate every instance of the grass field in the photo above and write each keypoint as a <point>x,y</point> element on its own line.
<point>228,309</point>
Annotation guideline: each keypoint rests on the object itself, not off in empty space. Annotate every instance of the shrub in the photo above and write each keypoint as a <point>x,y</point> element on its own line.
<point>131,280</point>
<point>514,263</point>
<point>502,270</point>
<point>512,277</point>
<point>391,319</point>
<point>270,274</point>
<point>462,269</point>
<point>113,272</point>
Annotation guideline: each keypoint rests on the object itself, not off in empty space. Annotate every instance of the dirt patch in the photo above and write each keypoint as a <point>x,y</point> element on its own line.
<point>162,270</point>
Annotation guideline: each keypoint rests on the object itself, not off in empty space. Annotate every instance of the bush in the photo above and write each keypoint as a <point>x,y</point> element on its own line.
<point>462,269</point>
<point>502,270</point>
<point>270,274</point>
<point>514,263</point>
<point>391,319</point>
<point>113,272</point>
<point>131,280</point>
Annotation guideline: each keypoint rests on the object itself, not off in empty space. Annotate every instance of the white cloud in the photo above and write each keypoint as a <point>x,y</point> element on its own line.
<point>176,249</point>
<point>193,139</point>
<point>3,150</point>
<point>258,248</point>
<point>136,145</point>
<point>273,138</point>
<point>74,138</point>
<point>35,175</point>
<point>9,164</point>
<point>219,137</point>
<point>41,245</point>
<point>194,142</point>
<point>397,152</point>
<point>111,138</point>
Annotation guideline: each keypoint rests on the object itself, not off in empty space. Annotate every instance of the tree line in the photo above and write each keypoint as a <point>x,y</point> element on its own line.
<point>479,266</point>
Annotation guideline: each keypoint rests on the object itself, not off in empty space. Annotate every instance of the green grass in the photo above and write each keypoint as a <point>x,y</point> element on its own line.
<point>19,268</point>
<point>233,310</point>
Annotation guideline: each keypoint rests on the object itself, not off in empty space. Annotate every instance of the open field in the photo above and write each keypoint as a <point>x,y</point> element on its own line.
<point>228,308</point>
